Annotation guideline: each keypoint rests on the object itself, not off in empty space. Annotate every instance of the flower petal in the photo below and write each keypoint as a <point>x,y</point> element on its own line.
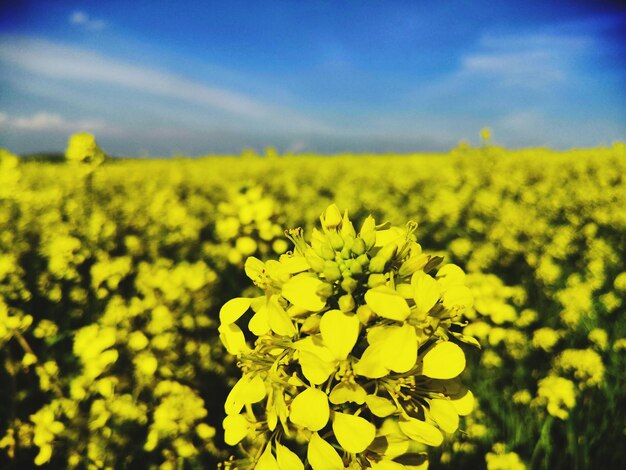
<point>344,392</point>
<point>249,389</point>
<point>321,455</point>
<point>421,431</point>
<point>287,460</point>
<point>353,433</point>
<point>267,461</point>
<point>279,321</point>
<point>426,291</point>
<point>236,427</point>
<point>444,414</point>
<point>339,332</point>
<point>310,409</point>
<point>464,405</point>
<point>379,406</point>
<point>399,348</point>
<point>444,361</point>
<point>301,290</point>
<point>233,309</point>
<point>233,339</point>
<point>387,303</point>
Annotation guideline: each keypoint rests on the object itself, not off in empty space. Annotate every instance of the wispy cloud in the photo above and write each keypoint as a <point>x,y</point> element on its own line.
<point>535,60</point>
<point>83,20</point>
<point>44,121</point>
<point>74,64</point>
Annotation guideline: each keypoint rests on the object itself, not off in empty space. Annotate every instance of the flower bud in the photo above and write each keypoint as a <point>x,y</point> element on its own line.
<point>331,218</point>
<point>349,284</point>
<point>325,290</point>
<point>358,246</point>
<point>376,280</point>
<point>335,240</point>
<point>332,272</point>
<point>368,232</point>
<point>356,268</point>
<point>388,251</point>
<point>377,264</point>
<point>346,303</point>
<point>412,264</point>
<point>365,314</point>
<point>316,262</point>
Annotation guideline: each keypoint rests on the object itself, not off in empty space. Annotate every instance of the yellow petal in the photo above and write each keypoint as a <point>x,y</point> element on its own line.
<point>463,405</point>
<point>254,267</point>
<point>287,460</point>
<point>233,309</point>
<point>323,456</point>
<point>316,360</point>
<point>279,321</point>
<point>259,324</point>
<point>458,296</point>
<point>444,361</point>
<point>344,392</point>
<point>301,290</point>
<point>421,431</point>
<point>444,414</point>
<point>310,409</point>
<point>399,348</point>
<point>339,332</point>
<point>232,338</point>
<point>379,406</point>
<point>426,291</point>
<point>236,427</point>
<point>388,465</point>
<point>353,433</point>
<point>294,264</point>
<point>267,460</point>
<point>371,362</point>
<point>450,275</point>
<point>387,303</point>
<point>249,389</point>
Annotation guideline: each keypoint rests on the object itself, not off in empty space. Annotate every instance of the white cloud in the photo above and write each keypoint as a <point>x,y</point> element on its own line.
<point>533,60</point>
<point>44,121</point>
<point>74,64</point>
<point>83,20</point>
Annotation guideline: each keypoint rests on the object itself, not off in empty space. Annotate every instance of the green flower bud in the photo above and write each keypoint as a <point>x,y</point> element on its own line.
<point>332,272</point>
<point>368,232</point>
<point>325,290</point>
<point>375,280</point>
<point>358,246</point>
<point>433,262</point>
<point>356,268</point>
<point>365,314</point>
<point>335,240</point>
<point>331,218</point>
<point>377,264</point>
<point>324,250</point>
<point>346,303</point>
<point>387,252</point>
<point>311,325</point>
<point>349,284</point>
<point>346,252</point>
<point>412,264</point>
<point>316,262</point>
<point>363,260</point>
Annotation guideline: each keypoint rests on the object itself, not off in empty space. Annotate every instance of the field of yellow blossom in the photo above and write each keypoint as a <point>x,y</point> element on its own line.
<point>132,291</point>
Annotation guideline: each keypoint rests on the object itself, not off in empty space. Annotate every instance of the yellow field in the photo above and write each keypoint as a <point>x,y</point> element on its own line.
<point>112,278</point>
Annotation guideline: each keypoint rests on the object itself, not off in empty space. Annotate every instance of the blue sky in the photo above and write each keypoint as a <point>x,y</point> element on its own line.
<point>158,78</point>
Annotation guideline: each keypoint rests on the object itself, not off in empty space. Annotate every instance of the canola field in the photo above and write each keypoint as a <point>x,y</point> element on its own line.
<point>122,284</point>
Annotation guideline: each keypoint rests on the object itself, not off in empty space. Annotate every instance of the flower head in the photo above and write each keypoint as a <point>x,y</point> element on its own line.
<point>356,352</point>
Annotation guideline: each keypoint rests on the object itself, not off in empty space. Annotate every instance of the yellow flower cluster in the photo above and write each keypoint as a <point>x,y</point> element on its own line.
<point>250,224</point>
<point>354,352</point>
<point>112,277</point>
